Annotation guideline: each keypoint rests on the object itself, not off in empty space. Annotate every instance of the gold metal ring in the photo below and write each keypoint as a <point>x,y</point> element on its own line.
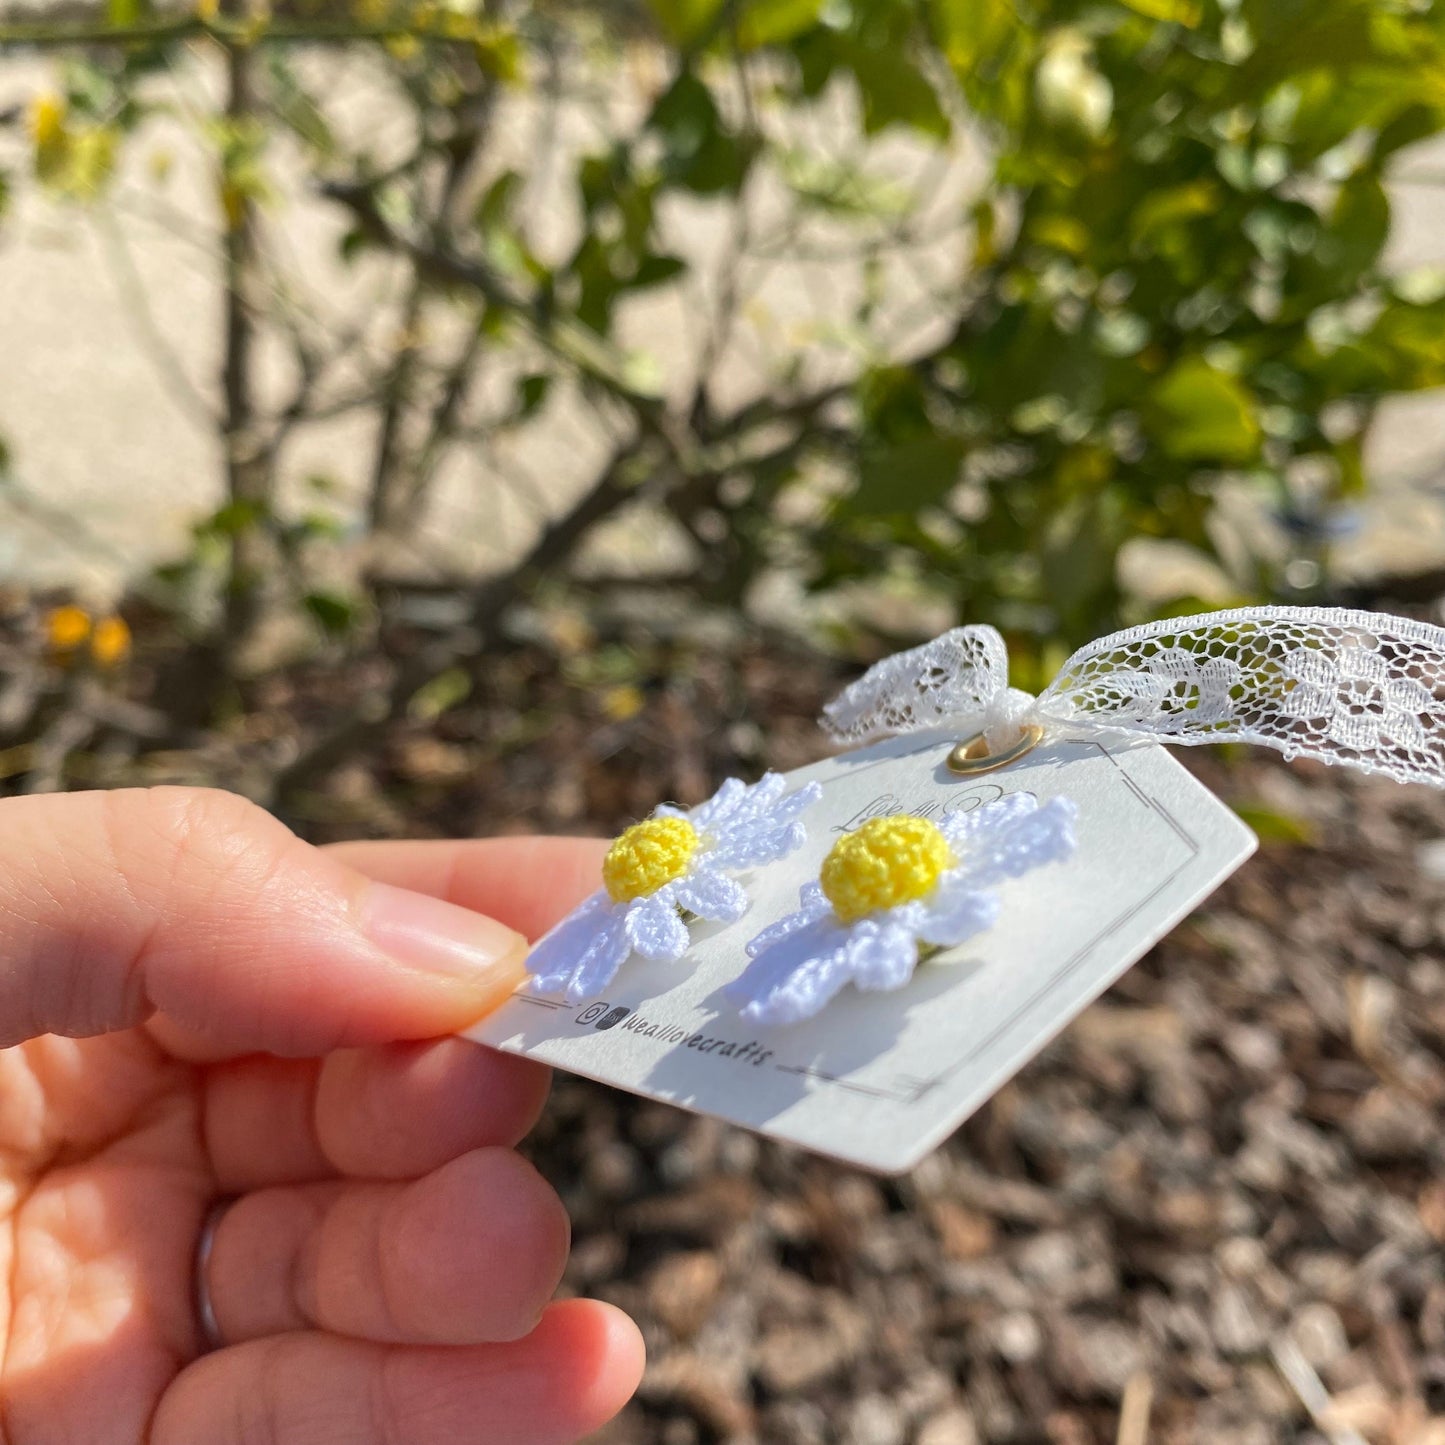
<point>972,757</point>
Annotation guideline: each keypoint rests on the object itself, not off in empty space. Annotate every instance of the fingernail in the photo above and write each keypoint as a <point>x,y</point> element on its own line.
<point>440,938</point>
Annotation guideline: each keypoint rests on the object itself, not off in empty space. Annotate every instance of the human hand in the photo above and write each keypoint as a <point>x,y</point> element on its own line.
<point>197,1006</point>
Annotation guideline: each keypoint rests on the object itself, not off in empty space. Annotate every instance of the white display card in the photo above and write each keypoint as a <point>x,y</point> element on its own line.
<point>879,1079</point>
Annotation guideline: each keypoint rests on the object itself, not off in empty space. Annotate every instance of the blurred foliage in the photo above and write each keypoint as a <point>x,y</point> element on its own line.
<point>1170,278</point>
<point>1191,205</point>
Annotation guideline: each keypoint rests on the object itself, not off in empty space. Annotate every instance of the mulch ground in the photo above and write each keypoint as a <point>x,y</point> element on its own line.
<point>1211,1212</point>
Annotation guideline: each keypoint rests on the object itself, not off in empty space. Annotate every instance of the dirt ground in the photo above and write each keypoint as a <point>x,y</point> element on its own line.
<point>1210,1214</point>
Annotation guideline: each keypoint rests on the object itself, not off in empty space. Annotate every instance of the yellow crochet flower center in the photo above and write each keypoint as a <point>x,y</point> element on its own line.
<point>886,862</point>
<point>648,855</point>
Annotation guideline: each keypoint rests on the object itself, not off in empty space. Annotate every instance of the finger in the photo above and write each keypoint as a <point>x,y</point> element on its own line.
<point>200,905</point>
<point>526,882</point>
<point>396,1111</point>
<point>572,1374</point>
<point>470,1254</point>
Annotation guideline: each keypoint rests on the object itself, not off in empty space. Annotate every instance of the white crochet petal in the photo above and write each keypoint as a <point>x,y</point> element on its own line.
<point>814,907</point>
<point>1024,841</point>
<point>881,957</point>
<point>812,900</point>
<point>761,828</point>
<point>750,848</point>
<point>909,915</point>
<point>802,971</point>
<point>560,945</point>
<point>654,928</point>
<point>958,828</point>
<point>785,809</point>
<point>581,956</point>
<point>709,895</point>
<point>801,962</point>
<point>712,815</point>
<point>956,910</point>
<point>755,802</point>
<point>794,977</point>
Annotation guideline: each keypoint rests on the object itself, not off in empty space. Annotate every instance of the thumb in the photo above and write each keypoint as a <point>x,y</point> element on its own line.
<point>202,906</point>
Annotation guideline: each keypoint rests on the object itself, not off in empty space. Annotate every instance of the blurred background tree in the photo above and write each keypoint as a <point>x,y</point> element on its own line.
<point>851,315</point>
<point>582,388</point>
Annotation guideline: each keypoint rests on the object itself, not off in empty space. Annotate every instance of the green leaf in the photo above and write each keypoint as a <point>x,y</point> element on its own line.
<point>234,518</point>
<point>1359,226</point>
<point>1403,351</point>
<point>775,22</point>
<point>1348,454</point>
<point>1064,233</point>
<point>352,244</point>
<point>896,92</point>
<point>1414,123</point>
<point>591,267</point>
<point>899,480</point>
<point>296,109</point>
<point>1172,205</point>
<point>532,394</point>
<point>1272,826</point>
<point>1198,413</point>
<point>702,155</point>
<point>656,271</point>
<point>595,181</point>
<point>1079,549</point>
<point>970,31</point>
<point>840,188</point>
<point>495,206</point>
<point>335,613</point>
<point>499,53</point>
<point>123,13</point>
<point>684,21</point>
<point>721,166</point>
<point>1181,12</point>
<point>439,695</point>
<point>684,116</point>
<point>503,242</point>
<point>315,526</point>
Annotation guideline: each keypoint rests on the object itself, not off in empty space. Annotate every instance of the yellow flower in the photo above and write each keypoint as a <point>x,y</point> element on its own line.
<point>110,642</point>
<point>66,628</point>
<point>648,855</point>
<point>885,863</point>
<point>47,121</point>
<point>622,702</point>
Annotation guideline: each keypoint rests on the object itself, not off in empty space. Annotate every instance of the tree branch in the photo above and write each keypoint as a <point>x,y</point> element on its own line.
<point>487,611</point>
<point>565,338</point>
<point>175,27</point>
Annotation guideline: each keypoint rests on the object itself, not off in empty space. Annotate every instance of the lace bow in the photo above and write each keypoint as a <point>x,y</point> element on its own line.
<point>1357,688</point>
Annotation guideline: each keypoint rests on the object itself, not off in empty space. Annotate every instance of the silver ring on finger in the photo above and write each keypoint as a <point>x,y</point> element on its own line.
<point>201,1286</point>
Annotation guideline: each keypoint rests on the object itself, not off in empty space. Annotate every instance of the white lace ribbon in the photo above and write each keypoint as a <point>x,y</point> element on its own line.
<point>1357,688</point>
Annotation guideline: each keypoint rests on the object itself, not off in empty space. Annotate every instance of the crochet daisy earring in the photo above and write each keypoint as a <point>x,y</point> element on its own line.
<point>889,894</point>
<point>660,871</point>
